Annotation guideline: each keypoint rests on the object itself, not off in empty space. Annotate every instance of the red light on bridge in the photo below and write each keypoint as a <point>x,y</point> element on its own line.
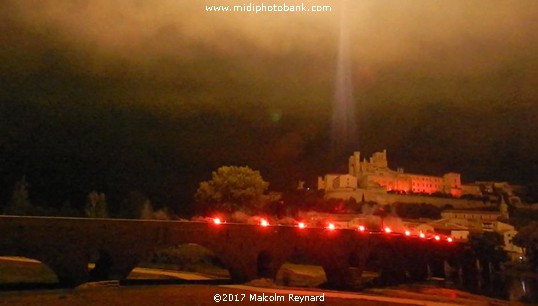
<point>301,225</point>
<point>264,222</point>
<point>388,230</point>
<point>217,221</point>
<point>437,237</point>
<point>362,228</point>
<point>331,227</point>
<point>407,233</point>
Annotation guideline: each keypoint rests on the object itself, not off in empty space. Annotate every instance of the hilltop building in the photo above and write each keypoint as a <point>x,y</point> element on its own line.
<point>375,174</point>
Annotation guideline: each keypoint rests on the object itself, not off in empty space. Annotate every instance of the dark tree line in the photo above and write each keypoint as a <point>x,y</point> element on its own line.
<point>527,238</point>
<point>416,211</point>
<point>136,206</point>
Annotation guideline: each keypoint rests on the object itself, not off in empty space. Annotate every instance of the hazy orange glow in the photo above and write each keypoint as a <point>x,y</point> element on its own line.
<point>301,225</point>
<point>407,233</point>
<point>217,221</point>
<point>422,235</point>
<point>331,227</point>
<point>449,239</point>
<point>362,228</point>
<point>170,76</point>
<point>388,230</point>
<point>437,237</point>
<point>264,222</point>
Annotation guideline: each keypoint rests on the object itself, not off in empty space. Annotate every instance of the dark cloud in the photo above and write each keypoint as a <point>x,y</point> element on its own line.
<point>153,95</point>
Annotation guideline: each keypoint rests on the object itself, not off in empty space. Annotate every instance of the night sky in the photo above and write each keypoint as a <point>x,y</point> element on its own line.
<point>153,95</point>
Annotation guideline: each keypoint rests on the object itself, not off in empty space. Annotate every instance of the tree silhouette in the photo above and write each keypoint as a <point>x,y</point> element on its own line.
<point>20,202</point>
<point>527,238</point>
<point>96,206</point>
<point>232,188</point>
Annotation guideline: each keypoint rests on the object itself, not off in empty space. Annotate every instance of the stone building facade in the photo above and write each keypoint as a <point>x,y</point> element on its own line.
<point>375,174</point>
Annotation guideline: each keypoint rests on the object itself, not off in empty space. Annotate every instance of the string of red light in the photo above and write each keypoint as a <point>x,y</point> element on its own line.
<point>331,227</point>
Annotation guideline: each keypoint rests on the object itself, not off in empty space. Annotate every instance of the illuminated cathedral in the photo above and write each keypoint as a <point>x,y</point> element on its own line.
<point>374,174</point>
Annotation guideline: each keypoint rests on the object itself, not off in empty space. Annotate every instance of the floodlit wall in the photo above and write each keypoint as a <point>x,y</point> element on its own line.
<point>383,198</point>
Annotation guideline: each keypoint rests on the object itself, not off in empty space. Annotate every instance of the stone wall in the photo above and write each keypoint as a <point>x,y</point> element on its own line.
<point>383,198</point>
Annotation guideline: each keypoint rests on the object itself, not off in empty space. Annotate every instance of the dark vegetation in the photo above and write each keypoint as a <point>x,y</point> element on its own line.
<point>416,211</point>
<point>136,206</point>
<point>527,237</point>
<point>528,193</point>
<point>522,217</point>
<point>487,247</point>
<point>230,189</point>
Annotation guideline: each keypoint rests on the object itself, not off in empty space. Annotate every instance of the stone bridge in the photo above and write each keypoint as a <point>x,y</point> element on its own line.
<point>67,245</point>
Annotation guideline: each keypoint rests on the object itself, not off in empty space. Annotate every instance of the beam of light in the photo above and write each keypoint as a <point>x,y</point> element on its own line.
<point>343,111</point>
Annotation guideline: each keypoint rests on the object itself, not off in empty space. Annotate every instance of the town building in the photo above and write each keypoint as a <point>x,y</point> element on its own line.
<point>474,220</point>
<point>480,221</point>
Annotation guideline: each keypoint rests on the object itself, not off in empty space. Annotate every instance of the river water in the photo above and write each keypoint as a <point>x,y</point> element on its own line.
<point>511,288</point>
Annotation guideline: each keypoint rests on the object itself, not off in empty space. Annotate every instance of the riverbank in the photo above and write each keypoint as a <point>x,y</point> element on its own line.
<point>110,294</point>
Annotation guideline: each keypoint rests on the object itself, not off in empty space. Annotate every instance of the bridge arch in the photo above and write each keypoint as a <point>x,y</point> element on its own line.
<point>21,271</point>
<point>385,262</point>
<point>187,257</point>
<point>69,267</point>
<point>102,266</point>
<point>264,265</point>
